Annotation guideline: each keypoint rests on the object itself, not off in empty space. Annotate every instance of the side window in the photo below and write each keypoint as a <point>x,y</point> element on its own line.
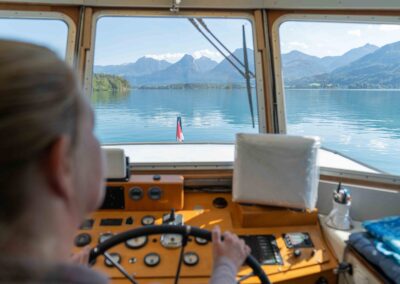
<point>51,33</point>
<point>159,79</point>
<point>342,83</point>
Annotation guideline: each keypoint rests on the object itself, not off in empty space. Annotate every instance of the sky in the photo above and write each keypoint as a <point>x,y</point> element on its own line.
<point>331,39</point>
<point>121,40</point>
<point>50,33</point>
<point>125,39</point>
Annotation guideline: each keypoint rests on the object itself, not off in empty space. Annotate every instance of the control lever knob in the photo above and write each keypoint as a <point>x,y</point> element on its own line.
<point>171,217</point>
<point>297,253</point>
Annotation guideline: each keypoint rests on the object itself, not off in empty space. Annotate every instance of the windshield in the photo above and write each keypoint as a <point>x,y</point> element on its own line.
<point>342,83</point>
<point>50,33</point>
<point>173,79</point>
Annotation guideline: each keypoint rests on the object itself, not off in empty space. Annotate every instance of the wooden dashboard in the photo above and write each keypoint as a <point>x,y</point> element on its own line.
<point>269,230</point>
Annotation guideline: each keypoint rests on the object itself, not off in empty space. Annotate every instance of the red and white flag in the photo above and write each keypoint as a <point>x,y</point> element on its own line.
<point>179,131</point>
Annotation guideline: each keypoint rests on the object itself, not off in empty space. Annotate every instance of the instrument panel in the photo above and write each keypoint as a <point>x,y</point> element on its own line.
<point>285,252</point>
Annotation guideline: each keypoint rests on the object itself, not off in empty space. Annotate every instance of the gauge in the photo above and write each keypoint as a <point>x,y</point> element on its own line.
<point>148,220</point>
<point>297,240</point>
<point>104,237</point>
<point>115,256</point>
<point>82,240</point>
<point>201,241</point>
<point>155,193</point>
<point>136,193</point>
<point>191,258</point>
<point>152,259</point>
<point>136,243</point>
<point>171,240</point>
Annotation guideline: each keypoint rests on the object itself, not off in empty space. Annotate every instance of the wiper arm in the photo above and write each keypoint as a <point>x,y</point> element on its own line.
<point>215,46</point>
<point>223,46</point>
<point>247,73</point>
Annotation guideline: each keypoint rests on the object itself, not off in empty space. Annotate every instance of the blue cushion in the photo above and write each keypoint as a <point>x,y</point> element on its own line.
<point>364,243</point>
<point>387,230</point>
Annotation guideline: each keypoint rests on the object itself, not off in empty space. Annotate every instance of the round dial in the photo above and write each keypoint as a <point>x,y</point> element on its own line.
<point>115,256</point>
<point>191,258</point>
<point>104,237</point>
<point>136,243</point>
<point>148,220</point>
<point>152,259</point>
<point>82,240</point>
<point>171,240</point>
<point>155,193</point>
<point>136,193</point>
<point>201,241</point>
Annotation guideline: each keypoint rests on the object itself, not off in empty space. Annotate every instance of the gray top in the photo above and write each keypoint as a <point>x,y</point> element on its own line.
<point>26,271</point>
<point>29,271</point>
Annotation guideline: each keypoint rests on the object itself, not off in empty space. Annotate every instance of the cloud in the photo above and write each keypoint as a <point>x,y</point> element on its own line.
<point>214,55</point>
<point>171,57</point>
<point>298,44</point>
<point>389,28</point>
<point>354,32</point>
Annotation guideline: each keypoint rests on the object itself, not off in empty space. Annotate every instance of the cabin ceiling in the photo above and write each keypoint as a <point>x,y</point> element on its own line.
<point>230,4</point>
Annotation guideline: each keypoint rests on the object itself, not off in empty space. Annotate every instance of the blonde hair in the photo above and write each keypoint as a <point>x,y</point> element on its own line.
<point>39,102</point>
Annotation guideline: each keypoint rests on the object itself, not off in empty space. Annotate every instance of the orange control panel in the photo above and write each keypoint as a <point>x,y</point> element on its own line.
<point>290,249</point>
<point>145,193</point>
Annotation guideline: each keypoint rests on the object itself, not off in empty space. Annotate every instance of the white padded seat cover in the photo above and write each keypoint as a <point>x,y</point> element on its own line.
<point>277,170</point>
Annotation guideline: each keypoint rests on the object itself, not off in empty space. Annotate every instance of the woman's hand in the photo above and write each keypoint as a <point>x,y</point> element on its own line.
<point>231,247</point>
<point>81,257</point>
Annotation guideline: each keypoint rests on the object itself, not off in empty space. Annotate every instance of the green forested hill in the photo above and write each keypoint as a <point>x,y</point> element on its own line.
<point>111,83</point>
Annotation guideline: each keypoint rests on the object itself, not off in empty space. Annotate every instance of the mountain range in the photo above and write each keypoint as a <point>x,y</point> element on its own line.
<point>296,64</point>
<point>366,67</point>
<point>148,72</point>
<point>363,67</point>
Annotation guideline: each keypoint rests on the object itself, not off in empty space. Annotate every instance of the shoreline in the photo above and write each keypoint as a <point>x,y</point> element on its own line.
<point>341,89</point>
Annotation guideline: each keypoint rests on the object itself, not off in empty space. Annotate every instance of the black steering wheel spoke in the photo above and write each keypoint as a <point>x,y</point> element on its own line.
<point>119,267</point>
<point>244,277</point>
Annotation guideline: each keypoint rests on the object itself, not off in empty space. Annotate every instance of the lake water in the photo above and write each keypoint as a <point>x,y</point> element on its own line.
<point>362,124</point>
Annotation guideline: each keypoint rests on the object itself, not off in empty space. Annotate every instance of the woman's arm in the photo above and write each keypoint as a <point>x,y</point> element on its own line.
<point>228,256</point>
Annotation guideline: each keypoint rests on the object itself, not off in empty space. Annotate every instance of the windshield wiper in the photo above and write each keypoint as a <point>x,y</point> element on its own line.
<point>223,46</point>
<point>246,73</point>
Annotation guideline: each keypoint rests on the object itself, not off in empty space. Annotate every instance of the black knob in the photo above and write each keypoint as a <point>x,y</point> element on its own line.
<point>82,240</point>
<point>297,253</point>
<point>220,202</point>
<point>156,177</point>
<point>129,221</point>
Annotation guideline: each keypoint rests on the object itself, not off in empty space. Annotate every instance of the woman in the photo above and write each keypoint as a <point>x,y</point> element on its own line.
<point>51,173</point>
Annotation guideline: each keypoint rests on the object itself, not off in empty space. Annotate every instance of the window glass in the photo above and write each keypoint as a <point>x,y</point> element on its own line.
<point>50,33</point>
<point>158,79</point>
<point>342,83</point>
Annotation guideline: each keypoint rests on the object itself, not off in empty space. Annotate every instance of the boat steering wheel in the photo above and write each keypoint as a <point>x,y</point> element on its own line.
<point>184,230</point>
